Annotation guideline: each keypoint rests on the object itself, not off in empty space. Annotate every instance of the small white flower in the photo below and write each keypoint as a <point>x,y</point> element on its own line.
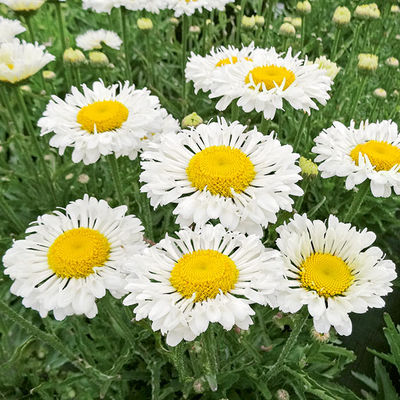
<point>332,269</point>
<point>20,60</point>
<point>189,7</point>
<point>221,171</point>
<point>104,120</point>
<point>9,28</point>
<point>100,6</point>
<point>370,152</point>
<point>67,261</point>
<point>94,40</point>
<point>206,275</point>
<point>23,5</point>
<point>263,84</point>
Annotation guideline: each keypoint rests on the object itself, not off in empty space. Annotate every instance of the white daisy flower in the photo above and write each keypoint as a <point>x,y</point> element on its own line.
<point>187,7</point>
<point>103,120</point>
<point>153,6</point>
<point>20,60</point>
<point>9,29</point>
<point>23,5</point>
<point>221,171</point>
<point>94,40</point>
<point>200,69</point>
<point>206,275</point>
<point>331,268</point>
<point>67,261</point>
<point>263,84</point>
<point>100,6</point>
<point>370,152</point>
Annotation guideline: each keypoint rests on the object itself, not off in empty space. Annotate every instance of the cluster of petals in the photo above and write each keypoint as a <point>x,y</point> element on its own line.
<point>333,148</point>
<point>145,122</point>
<point>181,318</point>
<point>372,274</point>
<point>92,39</point>
<point>23,5</point>
<point>9,28</point>
<point>26,262</point>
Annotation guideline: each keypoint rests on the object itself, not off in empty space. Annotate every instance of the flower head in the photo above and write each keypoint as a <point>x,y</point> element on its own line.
<point>287,29</point>
<point>72,56</point>
<point>332,269</point>
<point>23,5</point>
<point>67,261</point>
<point>341,16</point>
<point>202,276</point>
<point>9,29</point>
<point>367,11</point>
<point>92,40</point>
<point>367,62</point>
<point>303,7</point>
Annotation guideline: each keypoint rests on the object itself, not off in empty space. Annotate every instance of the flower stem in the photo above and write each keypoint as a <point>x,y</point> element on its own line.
<point>303,31</point>
<point>61,25</point>
<point>357,96</point>
<point>299,136</point>
<point>239,23</point>
<point>125,39</point>
<point>116,177</point>
<point>335,44</point>
<point>10,214</point>
<point>358,199</point>
<point>28,124</point>
<point>185,28</point>
<point>299,322</point>
<point>209,351</point>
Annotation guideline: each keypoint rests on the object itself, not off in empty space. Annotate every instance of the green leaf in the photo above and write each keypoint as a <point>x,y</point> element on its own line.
<point>386,389</point>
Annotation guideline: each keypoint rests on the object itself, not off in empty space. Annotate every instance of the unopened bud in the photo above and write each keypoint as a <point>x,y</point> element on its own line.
<point>192,119</point>
<point>367,62</point>
<point>287,29</point>
<point>98,58</point>
<point>303,7</point>
<point>341,16</point>
<point>248,22</point>
<point>144,24</point>
<point>72,56</point>
<point>380,93</point>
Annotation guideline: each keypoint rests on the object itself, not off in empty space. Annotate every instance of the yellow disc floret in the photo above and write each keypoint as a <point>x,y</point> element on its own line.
<point>230,60</point>
<point>325,273</point>
<point>77,251</point>
<point>383,156</point>
<point>221,169</point>
<point>271,76</point>
<point>105,115</point>
<point>205,273</point>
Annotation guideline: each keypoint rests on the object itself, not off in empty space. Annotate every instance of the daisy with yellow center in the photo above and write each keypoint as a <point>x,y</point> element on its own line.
<point>200,70</point>
<point>67,261</point>
<point>202,276</point>
<point>371,151</point>
<point>221,171</point>
<point>332,269</point>
<point>266,79</point>
<point>105,120</point>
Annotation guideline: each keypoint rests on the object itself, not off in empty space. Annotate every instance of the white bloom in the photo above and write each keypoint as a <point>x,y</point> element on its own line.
<point>189,7</point>
<point>221,171</point>
<point>206,275</point>
<point>153,6</point>
<point>23,5</point>
<point>67,261</point>
<point>20,60</point>
<point>329,66</point>
<point>100,6</point>
<point>94,40</point>
<point>9,28</point>
<point>104,120</point>
<point>370,152</point>
<point>263,84</point>
<point>200,69</point>
<point>333,270</point>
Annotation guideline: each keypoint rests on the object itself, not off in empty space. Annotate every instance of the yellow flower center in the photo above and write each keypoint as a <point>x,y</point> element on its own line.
<point>10,66</point>
<point>105,115</point>
<point>325,273</point>
<point>271,76</point>
<point>77,251</point>
<point>205,273</point>
<point>383,156</point>
<point>221,168</point>
<point>230,60</point>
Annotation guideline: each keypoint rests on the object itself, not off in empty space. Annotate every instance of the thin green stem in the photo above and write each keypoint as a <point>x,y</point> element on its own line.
<point>185,29</point>
<point>210,364</point>
<point>303,31</point>
<point>53,341</point>
<point>299,322</point>
<point>116,178</point>
<point>10,214</point>
<point>205,32</point>
<point>374,107</point>
<point>61,25</point>
<point>264,125</point>
<point>300,200</point>
<point>299,136</point>
<point>358,199</point>
<point>335,44</point>
<point>177,357</point>
<point>125,38</point>
<point>357,96</point>
<point>239,23</point>
<point>150,57</point>
<point>270,4</point>
<point>28,124</point>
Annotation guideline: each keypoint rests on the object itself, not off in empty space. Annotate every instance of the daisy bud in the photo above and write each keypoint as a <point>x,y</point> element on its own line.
<point>303,7</point>
<point>174,21</point>
<point>260,20</point>
<point>380,93</point>
<point>308,168</point>
<point>198,385</point>
<point>341,16</point>
<point>248,22</point>
<point>48,75</point>
<point>397,37</point>
<point>194,29</point>
<point>26,88</point>
<point>367,11</point>
<point>72,56</point>
<point>192,119</point>
<point>287,29</point>
<point>319,337</point>
<point>208,21</point>
<point>68,177</point>
<point>282,394</point>
<point>392,62</point>
<point>395,9</point>
<point>144,24</point>
<point>395,93</point>
<point>83,178</point>
<point>367,62</point>
<point>98,58</point>
<point>329,66</point>
<point>295,21</point>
